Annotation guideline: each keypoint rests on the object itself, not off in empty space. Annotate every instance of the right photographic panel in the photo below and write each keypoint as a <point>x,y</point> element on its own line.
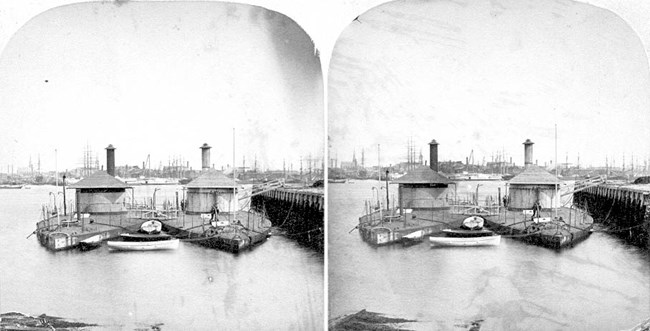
<point>488,167</point>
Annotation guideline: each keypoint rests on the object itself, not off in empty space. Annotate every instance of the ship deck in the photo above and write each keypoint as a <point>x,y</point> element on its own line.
<point>96,224</point>
<point>574,219</point>
<point>553,228</point>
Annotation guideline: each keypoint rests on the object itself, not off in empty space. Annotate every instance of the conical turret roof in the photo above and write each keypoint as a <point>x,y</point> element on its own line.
<point>423,175</point>
<point>99,179</point>
<point>534,175</point>
<point>211,179</point>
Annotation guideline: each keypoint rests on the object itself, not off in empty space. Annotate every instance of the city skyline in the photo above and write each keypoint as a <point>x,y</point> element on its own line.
<point>160,79</point>
<point>324,24</point>
<point>485,76</point>
<point>571,160</point>
<point>95,159</point>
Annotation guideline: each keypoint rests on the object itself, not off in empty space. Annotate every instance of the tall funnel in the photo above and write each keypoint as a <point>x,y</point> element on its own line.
<point>110,160</point>
<point>528,153</point>
<point>433,155</point>
<point>205,157</point>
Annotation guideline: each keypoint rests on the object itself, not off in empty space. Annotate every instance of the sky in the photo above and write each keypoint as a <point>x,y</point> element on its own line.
<point>481,77</point>
<point>158,80</point>
<point>325,22</point>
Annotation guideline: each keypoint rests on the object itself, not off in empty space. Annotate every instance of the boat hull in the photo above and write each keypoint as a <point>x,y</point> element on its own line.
<point>143,245</point>
<point>465,241</point>
<point>231,243</point>
<point>84,246</point>
<point>393,229</point>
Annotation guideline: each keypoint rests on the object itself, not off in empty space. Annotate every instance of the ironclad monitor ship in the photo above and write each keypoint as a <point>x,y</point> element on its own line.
<point>534,211</point>
<point>100,211</point>
<point>217,212</point>
<point>426,203</point>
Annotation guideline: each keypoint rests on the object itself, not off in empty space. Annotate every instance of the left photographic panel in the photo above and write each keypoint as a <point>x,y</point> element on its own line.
<point>165,163</point>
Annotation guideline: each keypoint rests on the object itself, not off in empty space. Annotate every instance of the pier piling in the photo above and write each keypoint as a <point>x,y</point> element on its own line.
<point>297,211</point>
<point>625,208</point>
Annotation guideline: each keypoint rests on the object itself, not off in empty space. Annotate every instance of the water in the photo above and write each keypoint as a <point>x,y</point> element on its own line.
<point>277,285</point>
<point>600,284</point>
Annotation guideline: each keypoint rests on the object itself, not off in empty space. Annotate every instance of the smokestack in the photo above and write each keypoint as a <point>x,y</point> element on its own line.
<point>433,155</point>
<point>205,157</point>
<point>528,153</point>
<point>110,160</point>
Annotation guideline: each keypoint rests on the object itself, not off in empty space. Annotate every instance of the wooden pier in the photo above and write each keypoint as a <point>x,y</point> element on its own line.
<point>623,208</point>
<point>298,211</point>
<point>312,198</point>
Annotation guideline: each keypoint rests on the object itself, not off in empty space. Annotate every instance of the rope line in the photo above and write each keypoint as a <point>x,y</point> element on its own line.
<point>308,231</point>
<point>288,213</point>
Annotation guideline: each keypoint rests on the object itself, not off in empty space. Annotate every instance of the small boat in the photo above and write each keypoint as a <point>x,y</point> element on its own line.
<point>413,238</point>
<point>143,242</point>
<point>90,243</point>
<point>471,233</point>
<point>473,222</point>
<point>148,238</point>
<point>460,237</point>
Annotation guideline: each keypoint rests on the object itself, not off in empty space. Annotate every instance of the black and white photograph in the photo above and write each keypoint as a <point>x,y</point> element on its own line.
<point>325,165</point>
<point>162,169</point>
<point>488,166</point>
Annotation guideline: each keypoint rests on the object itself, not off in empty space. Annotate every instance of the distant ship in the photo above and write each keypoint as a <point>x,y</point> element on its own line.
<point>476,176</point>
<point>11,186</point>
<point>150,181</point>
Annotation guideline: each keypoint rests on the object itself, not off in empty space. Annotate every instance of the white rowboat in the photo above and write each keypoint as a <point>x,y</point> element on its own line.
<point>143,245</point>
<point>465,241</point>
<point>462,237</point>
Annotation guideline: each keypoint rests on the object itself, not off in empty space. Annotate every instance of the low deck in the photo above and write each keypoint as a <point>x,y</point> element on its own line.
<point>66,232</point>
<point>233,232</point>
<point>554,229</point>
<point>385,227</point>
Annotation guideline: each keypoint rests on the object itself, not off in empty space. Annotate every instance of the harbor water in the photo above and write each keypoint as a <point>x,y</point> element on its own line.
<point>277,285</point>
<point>601,283</point>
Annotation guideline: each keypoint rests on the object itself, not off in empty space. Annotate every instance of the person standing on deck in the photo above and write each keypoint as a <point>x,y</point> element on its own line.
<point>214,212</point>
<point>536,209</point>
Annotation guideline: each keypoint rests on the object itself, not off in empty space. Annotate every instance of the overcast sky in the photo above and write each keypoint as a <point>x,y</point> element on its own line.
<point>487,75</point>
<point>161,79</point>
<point>510,27</point>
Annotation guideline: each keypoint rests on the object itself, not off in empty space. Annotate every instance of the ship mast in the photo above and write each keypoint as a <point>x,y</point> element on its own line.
<point>557,184</point>
<point>234,176</point>
<point>378,165</point>
<point>379,178</point>
<point>56,175</point>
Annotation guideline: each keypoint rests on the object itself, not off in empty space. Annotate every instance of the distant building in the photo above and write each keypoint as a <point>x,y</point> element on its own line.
<point>348,165</point>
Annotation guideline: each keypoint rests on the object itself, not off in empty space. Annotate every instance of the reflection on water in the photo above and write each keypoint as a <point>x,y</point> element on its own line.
<point>600,284</point>
<point>277,285</point>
